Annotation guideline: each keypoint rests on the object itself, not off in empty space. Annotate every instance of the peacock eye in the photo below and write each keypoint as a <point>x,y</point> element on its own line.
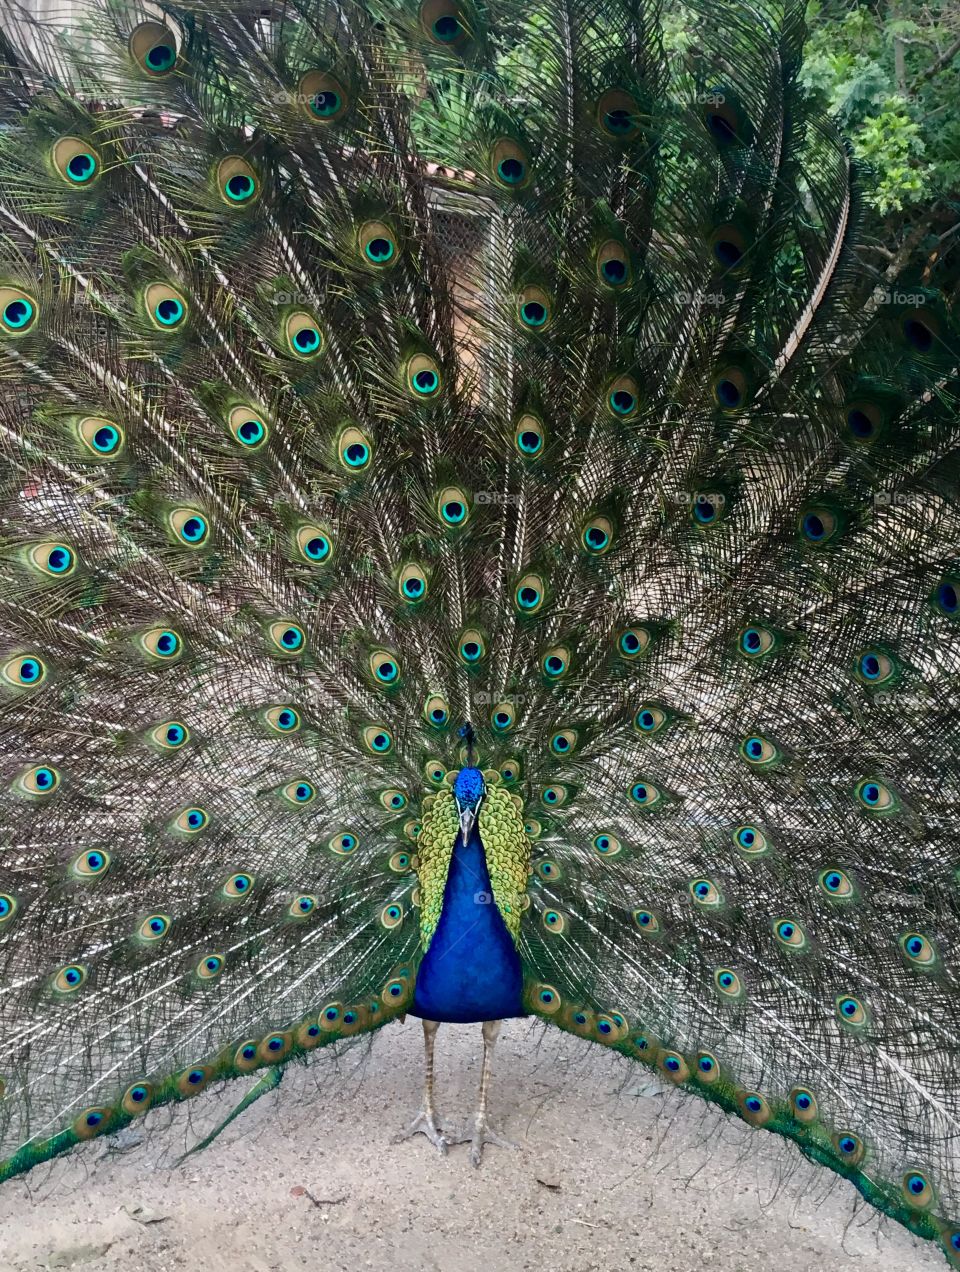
<point>39,782</point>
<point>728,247</point>
<point>299,793</point>
<point>730,388</point>
<point>597,535</point>
<point>509,164</point>
<point>8,907</point>
<point>313,544</point>
<point>166,307</point>
<point>191,821</point>
<point>728,982</point>
<point>377,739</point>
<point>750,840</point>
<point>400,863</point>
<point>343,843</point>
<point>236,181</point>
<point>436,711</point>
<point>917,1190</point>
<point>818,525</point>
<point>618,114</point>
<point>76,161</point>
<point>804,1104</point>
<point>55,560</point>
<point>754,1108</point>
<point>154,927</point>
<point>632,642</point>
<point>171,735</point>
<point>875,796</point>
<point>69,978</point>
<point>377,244</point>
<point>649,719</point>
<point>529,436</point>
<point>790,933</point>
<point>18,311</point>
<point>707,507</point>
<point>564,742</point>
<point>302,907</point>
<point>238,885</point>
<point>302,335</point>
<point>286,638</point>
<point>92,863</point>
<point>645,794</point>
<point>25,671</point>
<point>282,719</point>
<point>623,398</point>
<point>534,308</point>
<point>443,21</point>
<point>472,647</point>
<point>503,717</point>
<point>613,265</point>
<point>528,595</point>
<point>875,668</point>
<point>606,845</point>
<point>104,439</point>
<point>555,662</point>
<point>754,642</point>
<point>323,98</point>
<point>707,1068</point>
<point>453,507</point>
<point>849,1146</point>
<point>947,597</point>
<point>918,949</point>
<point>393,800</point>
<point>423,379</point>
<point>705,893</point>
<point>759,752</point>
<point>189,526</point>
<point>850,1010</point>
<point>385,667</point>
<point>354,450</point>
<point>154,49</point>
<point>247,428</point>
<point>210,967</point>
<point>391,916</point>
<point>835,884</point>
<point>646,921</point>
<point>413,583</point>
<point>435,772</point>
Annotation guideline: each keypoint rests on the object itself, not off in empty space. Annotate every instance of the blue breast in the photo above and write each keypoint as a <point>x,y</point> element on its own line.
<point>471,970</point>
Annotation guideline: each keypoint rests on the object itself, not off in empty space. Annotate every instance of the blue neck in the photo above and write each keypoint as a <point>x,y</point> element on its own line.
<point>472,969</point>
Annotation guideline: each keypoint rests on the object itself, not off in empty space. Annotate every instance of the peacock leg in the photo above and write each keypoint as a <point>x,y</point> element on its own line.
<point>482,1132</point>
<point>425,1122</point>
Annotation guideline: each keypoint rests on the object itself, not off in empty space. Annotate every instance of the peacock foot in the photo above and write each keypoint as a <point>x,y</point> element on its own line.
<point>425,1124</point>
<point>478,1138</point>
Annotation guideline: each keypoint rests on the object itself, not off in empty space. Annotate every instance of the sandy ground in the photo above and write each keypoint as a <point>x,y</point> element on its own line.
<point>612,1172</point>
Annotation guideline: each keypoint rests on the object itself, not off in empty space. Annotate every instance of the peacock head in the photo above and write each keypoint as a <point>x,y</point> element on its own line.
<point>468,790</point>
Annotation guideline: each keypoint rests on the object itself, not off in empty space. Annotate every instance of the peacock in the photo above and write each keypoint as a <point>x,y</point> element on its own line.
<point>479,540</point>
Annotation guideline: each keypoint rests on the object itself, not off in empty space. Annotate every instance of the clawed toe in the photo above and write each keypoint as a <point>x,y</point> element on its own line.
<point>424,1124</point>
<point>479,1137</point>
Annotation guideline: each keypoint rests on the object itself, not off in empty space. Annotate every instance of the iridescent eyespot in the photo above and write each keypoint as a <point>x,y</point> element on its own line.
<point>424,380</point>
<point>391,915</point>
<point>730,388</point>
<point>818,525</point>
<point>707,1068</point>
<point>553,922</point>
<point>918,949</point>
<point>875,796</point>
<point>917,1190</point>
<point>649,719</point>
<point>166,307</point>
<point>377,739</point>
<point>210,967</point>
<point>302,907</point>
<point>759,751</point>
<point>606,845</point>
<point>453,506</point>
<point>92,863</point>
<point>343,843</point>
<point>436,712</point>
<point>286,637</point>
<point>137,1098</point>
<point>302,335</point>
<point>618,114</point>
<point>76,161</point>
<point>283,719</point>
<point>247,428</point>
<point>704,892</point>
<point>613,265</point>
<point>804,1105</point>
<point>946,597</point>
<point>754,1108</point>
<point>728,247</point>
<point>154,48</point>
<point>754,642</point>
<point>69,978</point>
<point>750,840</point>
<point>546,999</point>
<point>534,308</point>
<point>549,870</point>
<point>875,668</point>
<point>728,982</point>
<point>154,927</point>
<point>554,796</point>
<point>622,399</point>
<point>8,907</point>
<point>673,1066</point>
<point>532,828</point>
<point>384,667</point>
<point>237,183</point>
<point>191,821</point>
<point>471,647</point>
<point>189,526</point>
<point>509,164</point>
<point>510,771</point>
<point>194,1080</point>
<point>632,642</point>
<point>18,311</point>
<point>354,450</point>
<point>39,782</point>
<point>92,1122</point>
<point>529,593</point>
<point>25,671</point>
<point>503,717</point>
<point>790,934</point>
<point>443,21</point>
<point>238,885</point>
<point>171,735</point>
<point>299,793</point>
<point>413,583</point>
<point>162,644</point>
<point>564,742</point>
<point>645,794</point>
<point>851,1011</point>
<point>377,244</point>
<point>849,1146</point>
<point>435,772</point>
<point>597,535</point>
<point>323,98</point>
<point>313,544</point>
<point>836,884</point>
<point>393,800</point>
<point>555,663</point>
<point>707,507</point>
<point>104,439</point>
<point>529,437</point>
<point>646,921</point>
<point>400,862</point>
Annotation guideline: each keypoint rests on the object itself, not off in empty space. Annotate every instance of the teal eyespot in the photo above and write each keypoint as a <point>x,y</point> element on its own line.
<point>851,1011</point>
<point>836,884</point>
<point>623,398</point>
<point>876,797</point>
<point>100,438</point>
<point>191,821</point>
<point>751,841</point>
<point>299,793</point>
<point>69,979</point>
<point>246,427</point>
<point>237,886</point>
<point>533,308</point>
<point>790,934</point>
<point>606,844</point>
<point>472,647</point>
<point>646,794</point>
<point>210,967</point>
<point>503,717</point>
<point>597,535</point>
<point>760,752</point>
<point>343,843</point>
<point>918,950</point>
<point>377,243</point>
<point>529,593</point>
<point>170,735</point>
<point>76,161</point>
<point>354,450</point>
<point>728,983</point>
<point>632,642</point>
<point>38,783</point>
<point>153,48</point>
<point>8,907</point>
<point>377,739</point>
<point>286,637</point>
<point>237,182</point>
<point>529,436</point>
<point>453,507</point>
<point>564,742</point>
<point>154,927</point>
<point>282,719</point>
<point>18,311</point>
<point>92,863</point>
<point>165,306</point>
<point>385,667</point>
<point>555,662</point>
